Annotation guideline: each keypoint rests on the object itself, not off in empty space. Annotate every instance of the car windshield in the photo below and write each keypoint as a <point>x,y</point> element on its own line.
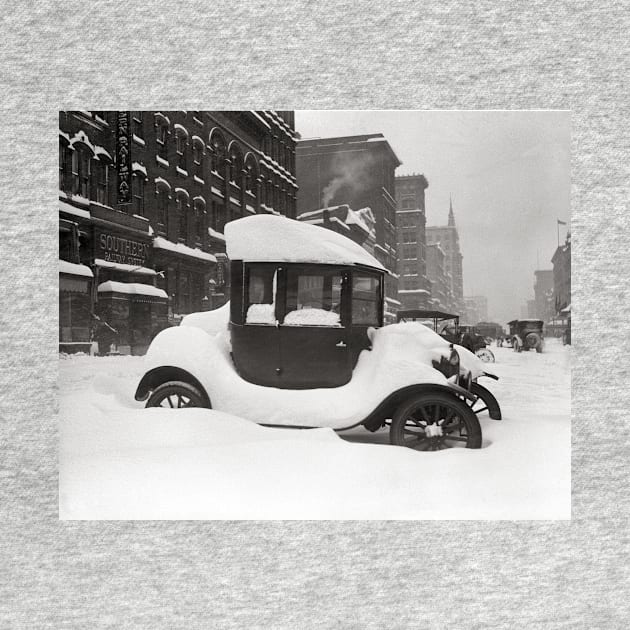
<point>313,299</point>
<point>365,300</point>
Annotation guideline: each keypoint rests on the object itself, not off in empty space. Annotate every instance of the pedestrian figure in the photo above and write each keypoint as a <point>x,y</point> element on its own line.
<point>105,336</point>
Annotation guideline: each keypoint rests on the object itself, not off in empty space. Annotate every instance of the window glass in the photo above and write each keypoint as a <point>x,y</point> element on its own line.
<point>366,300</point>
<point>313,299</point>
<point>260,307</point>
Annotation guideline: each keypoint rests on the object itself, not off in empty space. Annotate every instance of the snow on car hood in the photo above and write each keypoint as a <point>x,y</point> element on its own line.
<point>212,322</point>
<point>397,359</point>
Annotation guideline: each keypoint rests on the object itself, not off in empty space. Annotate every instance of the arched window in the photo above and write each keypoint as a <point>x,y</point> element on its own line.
<point>181,144</point>
<point>138,181</point>
<point>217,152</point>
<point>101,176</point>
<point>65,163</point>
<point>81,170</point>
<point>163,196</point>
<point>198,151</point>
<point>199,211</point>
<point>251,174</point>
<point>236,164</point>
<point>181,204</point>
<point>162,124</point>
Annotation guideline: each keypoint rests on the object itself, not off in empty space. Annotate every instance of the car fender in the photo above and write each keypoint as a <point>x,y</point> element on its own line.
<point>179,353</point>
<point>387,407</point>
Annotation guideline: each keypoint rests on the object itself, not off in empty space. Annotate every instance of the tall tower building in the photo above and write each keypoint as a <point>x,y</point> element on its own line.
<point>448,239</point>
<point>414,288</point>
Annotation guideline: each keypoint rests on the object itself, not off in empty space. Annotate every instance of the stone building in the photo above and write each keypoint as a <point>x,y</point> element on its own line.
<point>439,279</point>
<point>356,171</point>
<point>562,278</point>
<point>448,239</point>
<point>143,200</point>
<point>414,288</point>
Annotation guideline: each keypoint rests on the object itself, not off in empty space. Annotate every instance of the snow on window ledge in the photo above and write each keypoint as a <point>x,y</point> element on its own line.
<point>181,171</point>
<point>138,140</point>
<point>261,314</point>
<point>312,317</point>
<point>161,161</point>
<point>198,179</point>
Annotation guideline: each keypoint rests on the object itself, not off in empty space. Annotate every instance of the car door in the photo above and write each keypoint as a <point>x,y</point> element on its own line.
<point>313,334</point>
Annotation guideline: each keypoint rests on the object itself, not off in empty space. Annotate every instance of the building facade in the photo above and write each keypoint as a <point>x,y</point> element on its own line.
<point>448,239</point>
<point>414,287</point>
<point>476,309</point>
<point>543,294</point>
<point>439,279</point>
<point>357,171</point>
<point>143,200</point>
<point>562,278</point>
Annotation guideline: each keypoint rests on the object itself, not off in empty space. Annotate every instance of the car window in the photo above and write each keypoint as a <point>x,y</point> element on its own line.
<point>366,293</point>
<point>260,307</point>
<point>313,299</point>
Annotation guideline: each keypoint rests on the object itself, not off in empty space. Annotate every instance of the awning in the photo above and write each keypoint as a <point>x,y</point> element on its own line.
<point>131,288</point>
<point>106,264</point>
<point>74,269</point>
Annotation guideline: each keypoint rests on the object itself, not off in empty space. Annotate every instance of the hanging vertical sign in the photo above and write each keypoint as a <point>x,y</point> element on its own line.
<point>123,157</point>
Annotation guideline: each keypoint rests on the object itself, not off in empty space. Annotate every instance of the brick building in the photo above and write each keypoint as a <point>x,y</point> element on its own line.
<point>414,288</point>
<point>448,238</point>
<point>357,171</point>
<point>143,200</point>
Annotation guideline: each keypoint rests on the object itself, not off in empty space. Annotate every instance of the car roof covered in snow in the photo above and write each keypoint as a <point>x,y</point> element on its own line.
<point>271,238</point>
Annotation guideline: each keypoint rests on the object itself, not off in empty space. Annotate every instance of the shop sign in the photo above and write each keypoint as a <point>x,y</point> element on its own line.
<point>123,157</point>
<point>118,249</point>
<point>221,270</point>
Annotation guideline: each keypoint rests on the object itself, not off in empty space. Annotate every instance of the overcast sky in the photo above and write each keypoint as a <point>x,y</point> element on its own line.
<point>508,173</point>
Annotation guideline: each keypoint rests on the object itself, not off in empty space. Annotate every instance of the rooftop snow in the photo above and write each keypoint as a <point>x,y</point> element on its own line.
<point>161,243</point>
<point>131,288</point>
<point>74,269</point>
<point>265,238</point>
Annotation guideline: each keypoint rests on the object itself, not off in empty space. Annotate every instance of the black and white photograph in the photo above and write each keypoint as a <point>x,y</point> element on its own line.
<point>324,314</point>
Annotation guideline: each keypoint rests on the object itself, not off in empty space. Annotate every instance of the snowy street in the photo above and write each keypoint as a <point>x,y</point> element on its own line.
<point>120,461</point>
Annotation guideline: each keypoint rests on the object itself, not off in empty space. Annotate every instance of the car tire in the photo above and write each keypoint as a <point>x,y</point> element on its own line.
<point>455,424</point>
<point>176,395</point>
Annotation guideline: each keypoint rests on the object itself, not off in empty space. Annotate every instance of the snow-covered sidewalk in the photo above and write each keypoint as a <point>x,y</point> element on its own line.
<point>120,461</point>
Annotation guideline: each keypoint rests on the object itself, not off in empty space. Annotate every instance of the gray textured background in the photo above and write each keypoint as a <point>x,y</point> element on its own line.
<point>202,55</point>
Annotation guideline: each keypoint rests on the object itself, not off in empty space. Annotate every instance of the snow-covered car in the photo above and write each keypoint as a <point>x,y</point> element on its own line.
<point>527,334</point>
<point>301,343</point>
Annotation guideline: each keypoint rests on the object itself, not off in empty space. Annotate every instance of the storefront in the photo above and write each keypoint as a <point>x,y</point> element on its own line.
<point>129,314</point>
<point>131,310</point>
<point>187,275</point>
<point>75,307</point>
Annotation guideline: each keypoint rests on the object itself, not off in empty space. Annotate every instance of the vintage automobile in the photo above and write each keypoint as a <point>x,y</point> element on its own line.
<point>526,334</point>
<point>301,343</point>
<point>467,336</point>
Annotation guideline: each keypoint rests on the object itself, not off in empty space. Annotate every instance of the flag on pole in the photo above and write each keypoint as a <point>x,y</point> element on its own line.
<point>561,222</point>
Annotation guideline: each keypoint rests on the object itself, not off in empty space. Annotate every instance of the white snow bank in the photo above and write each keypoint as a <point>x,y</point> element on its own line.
<point>267,238</point>
<point>131,288</point>
<point>261,314</point>
<point>397,359</point>
<point>311,317</point>
<point>212,322</point>
<point>119,461</point>
<point>75,269</point>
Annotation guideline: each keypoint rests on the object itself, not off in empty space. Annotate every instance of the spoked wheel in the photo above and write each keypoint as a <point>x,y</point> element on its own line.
<point>434,422</point>
<point>176,395</point>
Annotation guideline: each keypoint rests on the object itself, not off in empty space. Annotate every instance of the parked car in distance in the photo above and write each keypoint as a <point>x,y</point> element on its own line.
<point>527,334</point>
